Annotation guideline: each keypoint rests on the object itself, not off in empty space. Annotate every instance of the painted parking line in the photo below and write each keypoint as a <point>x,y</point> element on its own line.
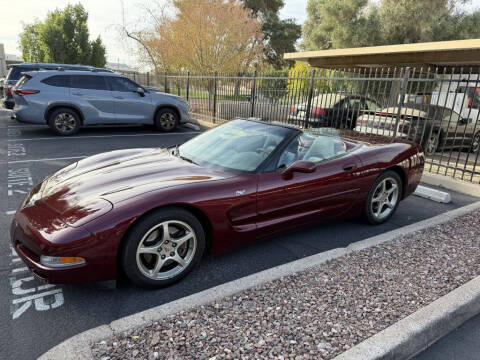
<point>104,136</point>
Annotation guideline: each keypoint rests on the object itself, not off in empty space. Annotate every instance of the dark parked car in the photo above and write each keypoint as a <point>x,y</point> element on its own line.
<point>17,70</point>
<point>65,100</point>
<point>155,212</point>
<point>434,127</point>
<point>332,110</point>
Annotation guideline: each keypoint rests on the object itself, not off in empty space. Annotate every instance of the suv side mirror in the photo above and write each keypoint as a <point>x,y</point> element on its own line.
<point>140,91</point>
<point>300,166</point>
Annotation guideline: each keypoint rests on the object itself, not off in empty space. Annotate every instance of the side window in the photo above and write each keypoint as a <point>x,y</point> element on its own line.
<point>311,147</point>
<point>122,84</point>
<point>353,103</point>
<point>92,82</point>
<point>454,119</point>
<point>372,105</point>
<point>57,80</point>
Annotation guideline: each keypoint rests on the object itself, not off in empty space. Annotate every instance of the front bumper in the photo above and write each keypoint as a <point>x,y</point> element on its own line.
<point>37,231</point>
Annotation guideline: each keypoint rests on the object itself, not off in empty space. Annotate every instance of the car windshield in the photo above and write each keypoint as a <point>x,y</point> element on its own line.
<point>238,145</point>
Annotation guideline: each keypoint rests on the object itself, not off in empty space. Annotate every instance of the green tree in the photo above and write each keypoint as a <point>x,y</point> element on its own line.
<point>340,24</point>
<point>62,38</point>
<point>356,23</point>
<point>279,35</point>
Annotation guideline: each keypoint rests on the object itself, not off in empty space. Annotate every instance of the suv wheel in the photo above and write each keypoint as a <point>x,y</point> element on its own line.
<point>431,145</point>
<point>166,120</point>
<point>64,121</point>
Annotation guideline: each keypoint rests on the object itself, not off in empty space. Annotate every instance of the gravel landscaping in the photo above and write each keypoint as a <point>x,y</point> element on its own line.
<point>321,312</point>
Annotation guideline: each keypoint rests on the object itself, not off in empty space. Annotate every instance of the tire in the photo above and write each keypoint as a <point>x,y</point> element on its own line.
<point>380,197</point>
<point>475,143</point>
<point>166,120</point>
<point>146,249</point>
<point>64,121</point>
<point>430,145</point>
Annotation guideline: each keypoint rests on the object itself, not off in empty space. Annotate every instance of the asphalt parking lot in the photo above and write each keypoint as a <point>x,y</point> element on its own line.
<point>38,316</point>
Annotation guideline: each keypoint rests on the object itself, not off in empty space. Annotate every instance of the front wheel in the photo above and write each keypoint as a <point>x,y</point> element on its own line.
<point>166,120</point>
<point>431,144</point>
<point>162,248</point>
<point>475,143</point>
<point>383,197</point>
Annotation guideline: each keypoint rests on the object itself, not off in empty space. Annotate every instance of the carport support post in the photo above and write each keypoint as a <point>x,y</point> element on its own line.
<point>215,96</point>
<point>309,101</point>
<point>188,85</point>
<point>252,94</point>
<point>401,101</point>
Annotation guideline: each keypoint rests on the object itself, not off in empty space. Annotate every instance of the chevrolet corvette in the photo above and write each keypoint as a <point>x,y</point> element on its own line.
<point>152,214</point>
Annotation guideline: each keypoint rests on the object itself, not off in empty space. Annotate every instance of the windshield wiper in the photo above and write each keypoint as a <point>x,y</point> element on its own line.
<point>187,159</point>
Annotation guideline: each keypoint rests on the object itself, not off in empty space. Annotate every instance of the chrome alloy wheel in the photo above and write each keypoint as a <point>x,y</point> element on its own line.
<point>166,250</point>
<point>65,122</point>
<point>167,121</point>
<point>385,198</point>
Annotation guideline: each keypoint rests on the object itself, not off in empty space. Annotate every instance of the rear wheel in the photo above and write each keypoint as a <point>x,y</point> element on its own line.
<point>431,144</point>
<point>64,121</point>
<point>166,120</point>
<point>383,197</point>
<point>163,248</point>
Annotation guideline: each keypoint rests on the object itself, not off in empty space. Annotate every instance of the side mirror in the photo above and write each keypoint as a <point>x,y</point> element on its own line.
<point>140,91</point>
<point>298,166</point>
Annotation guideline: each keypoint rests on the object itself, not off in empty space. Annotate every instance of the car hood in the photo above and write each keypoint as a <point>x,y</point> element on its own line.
<point>117,175</point>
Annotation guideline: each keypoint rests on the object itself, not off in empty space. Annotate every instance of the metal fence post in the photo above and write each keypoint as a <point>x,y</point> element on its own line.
<point>188,85</point>
<point>252,94</point>
<point>309,101</point>
<point>148,78</point>
<point>134,78</point>
<point>166,82</point>
<point>215,96</point>
<point>401,101</point>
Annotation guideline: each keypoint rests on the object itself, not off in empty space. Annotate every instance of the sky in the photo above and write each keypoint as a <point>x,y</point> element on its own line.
<point>104,18</point>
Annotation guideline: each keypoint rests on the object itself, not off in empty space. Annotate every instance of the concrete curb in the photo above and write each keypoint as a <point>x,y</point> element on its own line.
<point>450,183</point>
<point>78,346</point>
<point>413,334</point>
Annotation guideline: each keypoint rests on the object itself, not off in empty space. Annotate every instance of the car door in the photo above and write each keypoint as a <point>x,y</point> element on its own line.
<point>90,93</point>
<point>131,107</point>
<point>327,193</point>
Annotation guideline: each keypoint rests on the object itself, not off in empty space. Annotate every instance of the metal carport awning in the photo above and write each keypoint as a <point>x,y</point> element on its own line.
<point>442,54</point>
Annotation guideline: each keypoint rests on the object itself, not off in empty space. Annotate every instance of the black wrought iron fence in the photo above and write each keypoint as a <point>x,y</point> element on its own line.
<point>437,108</point>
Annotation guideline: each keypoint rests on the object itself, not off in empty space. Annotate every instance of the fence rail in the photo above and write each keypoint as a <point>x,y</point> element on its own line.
<point>436,107</point>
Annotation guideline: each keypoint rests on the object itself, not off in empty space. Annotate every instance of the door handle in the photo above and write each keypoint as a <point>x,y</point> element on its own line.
<point>349,167</point>
<point>118,97</point>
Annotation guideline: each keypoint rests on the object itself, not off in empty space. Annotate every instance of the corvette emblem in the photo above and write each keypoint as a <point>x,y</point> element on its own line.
<point>240,192</point>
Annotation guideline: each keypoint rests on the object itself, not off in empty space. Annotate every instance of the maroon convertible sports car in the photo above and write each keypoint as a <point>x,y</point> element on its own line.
<point>153,213</point>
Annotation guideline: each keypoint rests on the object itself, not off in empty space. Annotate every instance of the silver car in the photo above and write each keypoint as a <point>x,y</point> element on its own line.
<point>66,100</point>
